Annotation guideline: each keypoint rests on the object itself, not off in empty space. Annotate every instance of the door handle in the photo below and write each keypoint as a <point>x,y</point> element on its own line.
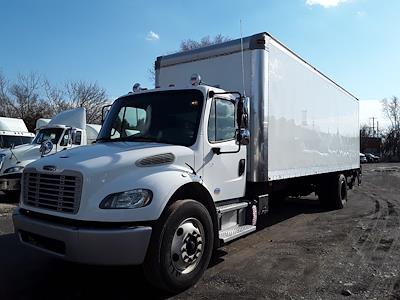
<point>242,167</point>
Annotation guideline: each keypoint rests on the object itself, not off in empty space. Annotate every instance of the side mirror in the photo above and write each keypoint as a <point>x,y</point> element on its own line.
<point>104,111</point>
<point>243,136</point>
<point>46,147</point>
<point>242,113</point>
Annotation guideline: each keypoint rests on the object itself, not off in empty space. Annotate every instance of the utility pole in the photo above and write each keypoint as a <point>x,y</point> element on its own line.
<point>373,126</point>
<point>377,128</point>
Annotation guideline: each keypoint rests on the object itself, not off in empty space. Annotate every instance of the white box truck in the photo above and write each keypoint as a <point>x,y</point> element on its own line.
<point>66,130</point>
<point>13,132</point>
<point>183,168</point>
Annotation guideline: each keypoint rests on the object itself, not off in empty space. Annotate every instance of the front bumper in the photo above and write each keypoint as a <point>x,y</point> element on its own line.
<point>98,246</point>
<point>10,182</point>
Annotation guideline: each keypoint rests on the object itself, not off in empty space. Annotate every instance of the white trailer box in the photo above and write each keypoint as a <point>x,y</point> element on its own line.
<point>301,122</point>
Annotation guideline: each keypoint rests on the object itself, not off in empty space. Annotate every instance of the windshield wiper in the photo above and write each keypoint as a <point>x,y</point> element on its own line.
<point>103,140</point>
<point>144,138</point>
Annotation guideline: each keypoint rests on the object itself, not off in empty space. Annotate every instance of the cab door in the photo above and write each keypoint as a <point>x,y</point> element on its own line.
<point>224,174</point>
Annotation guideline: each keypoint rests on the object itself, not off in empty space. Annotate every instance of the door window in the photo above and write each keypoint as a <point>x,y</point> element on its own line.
<point>77,139</point>
<point>221,123</point>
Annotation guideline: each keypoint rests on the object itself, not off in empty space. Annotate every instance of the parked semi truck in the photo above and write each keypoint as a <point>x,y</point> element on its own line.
<point>181,169</point>
<point>66,130</point>
<point>13,132</point>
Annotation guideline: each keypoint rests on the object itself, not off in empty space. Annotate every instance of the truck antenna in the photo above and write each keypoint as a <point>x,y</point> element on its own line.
<point>241,46</point>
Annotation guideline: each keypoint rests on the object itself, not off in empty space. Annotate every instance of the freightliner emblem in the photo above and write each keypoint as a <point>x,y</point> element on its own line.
<point>49,168</point>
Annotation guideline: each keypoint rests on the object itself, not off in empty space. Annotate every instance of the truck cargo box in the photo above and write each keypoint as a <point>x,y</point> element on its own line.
<point>301,122</point>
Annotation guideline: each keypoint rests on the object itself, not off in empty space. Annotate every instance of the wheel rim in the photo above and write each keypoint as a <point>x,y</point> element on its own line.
<point>187,245</point>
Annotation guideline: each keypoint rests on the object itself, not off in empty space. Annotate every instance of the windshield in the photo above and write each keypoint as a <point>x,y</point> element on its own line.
<point>52,134</point>
<point>6,141</point>
<point>170,117</point>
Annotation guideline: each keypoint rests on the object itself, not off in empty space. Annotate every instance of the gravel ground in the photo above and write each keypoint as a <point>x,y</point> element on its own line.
<point>300,251</point>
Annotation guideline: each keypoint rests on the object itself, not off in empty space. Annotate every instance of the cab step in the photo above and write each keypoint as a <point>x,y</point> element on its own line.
<point>231,207</point>
<point>233,233</point>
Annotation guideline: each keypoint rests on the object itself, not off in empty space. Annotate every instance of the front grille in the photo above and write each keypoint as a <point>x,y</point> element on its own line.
<point>58,192</point>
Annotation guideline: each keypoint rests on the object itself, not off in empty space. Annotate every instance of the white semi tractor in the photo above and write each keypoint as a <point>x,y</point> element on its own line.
<point>183,168</point>
<point>66,130</point>
<point>13,132</point>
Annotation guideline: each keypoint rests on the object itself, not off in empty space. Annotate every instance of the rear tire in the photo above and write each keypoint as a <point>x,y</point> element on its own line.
<point>333,192</point>
<point>181,246</point>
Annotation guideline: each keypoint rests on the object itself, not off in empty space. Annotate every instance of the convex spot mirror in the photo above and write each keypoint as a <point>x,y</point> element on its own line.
<point>243,136</point>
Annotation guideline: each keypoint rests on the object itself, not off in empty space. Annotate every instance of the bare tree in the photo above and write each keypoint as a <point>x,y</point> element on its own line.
<point>4,99</point>
<point>190,44</point>
<point>391,109</point>
<point>32,97</point>
<point>87,95</point>
<point>56,98</point>
<point>24,100</point>
<point>391,145</point>
<point>365,131</point>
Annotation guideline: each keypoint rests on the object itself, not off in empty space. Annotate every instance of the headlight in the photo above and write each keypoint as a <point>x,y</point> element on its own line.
<point>130,199</point>
<point>14,169</point>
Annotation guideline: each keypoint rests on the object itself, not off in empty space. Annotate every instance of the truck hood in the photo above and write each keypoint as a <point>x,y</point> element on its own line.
<point>104,158</point>
<point>24,153</point>
<point>27,152</point>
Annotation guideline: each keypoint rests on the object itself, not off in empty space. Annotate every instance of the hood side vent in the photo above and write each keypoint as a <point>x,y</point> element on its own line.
<point>154,160</point>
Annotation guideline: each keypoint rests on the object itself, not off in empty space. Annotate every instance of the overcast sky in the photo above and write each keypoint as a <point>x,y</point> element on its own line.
<point>355,42</point>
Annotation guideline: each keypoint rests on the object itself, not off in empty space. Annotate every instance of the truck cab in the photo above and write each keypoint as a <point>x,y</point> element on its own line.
<point>161,149</point>
<point>13,132</point>
<point>52,136</point>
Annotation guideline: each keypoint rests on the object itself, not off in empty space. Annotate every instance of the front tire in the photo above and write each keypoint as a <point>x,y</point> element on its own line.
<point>12,196</point>
<point>181,246</point>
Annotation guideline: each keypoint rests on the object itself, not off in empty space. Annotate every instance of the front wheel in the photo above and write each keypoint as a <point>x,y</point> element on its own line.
<point>12,196</point>
<point>180,247</point>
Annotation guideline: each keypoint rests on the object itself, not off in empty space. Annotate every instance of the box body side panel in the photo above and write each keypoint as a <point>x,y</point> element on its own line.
<point>312,123</point>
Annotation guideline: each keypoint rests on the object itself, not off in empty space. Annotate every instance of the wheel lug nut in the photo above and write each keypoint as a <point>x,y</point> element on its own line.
<point>179,232</point>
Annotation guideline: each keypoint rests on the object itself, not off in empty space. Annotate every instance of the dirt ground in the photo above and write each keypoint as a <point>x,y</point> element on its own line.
<point>300,251</point>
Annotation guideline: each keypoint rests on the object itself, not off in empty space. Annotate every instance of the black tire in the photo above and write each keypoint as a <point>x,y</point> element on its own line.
<point>12,196</point>
<point>333,193</point>
<point>159,267</point>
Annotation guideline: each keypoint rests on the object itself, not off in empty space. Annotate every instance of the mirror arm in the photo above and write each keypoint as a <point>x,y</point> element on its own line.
<point>211,94</point>
<point>102,112</point>
<point>217,150</point>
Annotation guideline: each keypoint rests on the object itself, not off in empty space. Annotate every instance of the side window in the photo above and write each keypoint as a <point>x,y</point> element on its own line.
<point>78,138</point>
<point>221,123</point>
<point>65,139</point>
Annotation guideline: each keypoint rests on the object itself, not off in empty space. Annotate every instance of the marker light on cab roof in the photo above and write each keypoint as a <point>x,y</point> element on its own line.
<point>195,79</point>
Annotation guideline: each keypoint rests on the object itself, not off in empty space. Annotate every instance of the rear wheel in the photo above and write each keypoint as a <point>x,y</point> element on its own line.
<point>333,192</point>
<point>181,246</point>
